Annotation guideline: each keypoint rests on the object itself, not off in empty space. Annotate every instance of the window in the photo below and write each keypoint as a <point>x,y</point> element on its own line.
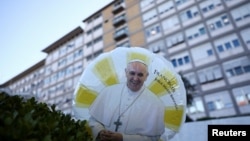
<point>180,61</point>
<point>89,44</point>
<point>98,15</point>
<point>61,73</point>
<point>121,33</point>
<point>211,106</point>
<point>79,40</point>
<point>180,2</point>
<point>119,20</point>
<point>242,95</point>
<point>145,4</point>
<point>191,78</point>
<point>89,32</point>
<point>202,31</point>
<point>225,20</point>
<point>97,53</point>
<point>149,15</point>
<point>62,62</point>
<point>209,5</point>
<point>210,52</point>
<point>78,67</point>
<point>175,40</point>
<point>227,43</point>
<point>62,50</point>
<point>237,67</point>
<point>239,70</point>
<point>165,7</point>
<point>195,32</point>
<point>220,48</point>
<point>174,62</point>
<point>218,22</point>
<point>189,14</point>
<point>78,53</point>
<point>157,46</point>
<point>245,36</point>
<point>197,106</point>
<point>210,74</point>
<point>217,101</point>
<point>123,44</point>
<point>97,27</point>
<point>69,70</point>
<point>153,30</point>
<point>98,39</point>
<point>246,68</point>
<point>186,59</point>
<point>241,13</point>
<point>236,43</point>
<point>169,23</point>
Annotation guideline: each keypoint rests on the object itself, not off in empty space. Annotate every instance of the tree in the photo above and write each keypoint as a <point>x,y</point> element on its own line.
<point>26,119</point>
<point>190,91</point>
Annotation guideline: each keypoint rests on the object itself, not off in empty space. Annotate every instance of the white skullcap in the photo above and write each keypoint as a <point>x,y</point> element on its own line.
<point>137,60</point>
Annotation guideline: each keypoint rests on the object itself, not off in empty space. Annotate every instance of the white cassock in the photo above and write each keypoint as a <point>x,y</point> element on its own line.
<point>141,113</point>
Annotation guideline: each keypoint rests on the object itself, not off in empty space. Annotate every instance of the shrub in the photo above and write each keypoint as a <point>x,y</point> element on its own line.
<point>26,119</point>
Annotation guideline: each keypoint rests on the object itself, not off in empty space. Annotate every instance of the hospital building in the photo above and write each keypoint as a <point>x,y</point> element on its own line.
<point>207,41</point>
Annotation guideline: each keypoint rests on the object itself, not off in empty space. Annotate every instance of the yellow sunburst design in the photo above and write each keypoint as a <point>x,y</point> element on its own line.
<point>164,83</point>
<point>173,117</point>
<point>105,71</point>
<point>84,96</point>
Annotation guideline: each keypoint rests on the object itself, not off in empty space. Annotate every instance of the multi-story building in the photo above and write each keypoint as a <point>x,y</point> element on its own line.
<point>62,70</point>
<point>53,79</point>
<point>208,41</point>
<point>28,83</point>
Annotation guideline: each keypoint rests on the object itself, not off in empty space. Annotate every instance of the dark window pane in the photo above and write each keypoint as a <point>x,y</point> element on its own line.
<point>186,59</point>
<point>238,70</point>
<point>236,43</point>
<point>220,48</point>
<point>210,52</point>
<point>174,62</point>
<point>180,61</point>
<point>246,68</point>
<point>228,45</point>
<point>218,24</point>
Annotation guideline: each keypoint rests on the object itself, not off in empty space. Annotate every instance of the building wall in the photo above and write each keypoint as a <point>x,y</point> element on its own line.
<point>201,39</point>
<point>63,68</point>
<point>207,41</point>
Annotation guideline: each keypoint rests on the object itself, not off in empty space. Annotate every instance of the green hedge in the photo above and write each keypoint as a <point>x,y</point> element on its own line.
<point>28,120</point>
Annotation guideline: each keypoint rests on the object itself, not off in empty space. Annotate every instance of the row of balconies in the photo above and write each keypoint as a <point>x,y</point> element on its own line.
<point>119,20</point>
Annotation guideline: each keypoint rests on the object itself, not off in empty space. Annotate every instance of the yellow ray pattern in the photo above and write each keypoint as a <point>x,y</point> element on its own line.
<point>105,71</point>
<point>139,56</point>
<point>164,83</point>
<point>173,117</point>
<point>84,96</point>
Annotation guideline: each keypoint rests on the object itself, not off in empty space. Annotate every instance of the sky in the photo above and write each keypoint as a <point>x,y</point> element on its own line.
<point>29,26</point>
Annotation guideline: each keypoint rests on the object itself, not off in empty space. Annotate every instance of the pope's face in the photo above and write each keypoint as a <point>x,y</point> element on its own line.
<point>136,73</point>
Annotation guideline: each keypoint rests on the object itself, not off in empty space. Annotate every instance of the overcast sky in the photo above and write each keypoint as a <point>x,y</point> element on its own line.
<point>29,26</point>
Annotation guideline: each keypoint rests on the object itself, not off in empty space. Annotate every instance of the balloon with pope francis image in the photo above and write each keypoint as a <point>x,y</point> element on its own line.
<point>108,69</point>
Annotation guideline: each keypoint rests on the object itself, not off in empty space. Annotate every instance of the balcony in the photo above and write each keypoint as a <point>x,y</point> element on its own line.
<point>117,8</point>
<point>121,34</point>
<point>119,20</point>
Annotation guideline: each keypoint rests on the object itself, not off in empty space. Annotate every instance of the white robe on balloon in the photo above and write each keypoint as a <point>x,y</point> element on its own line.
<point>142,113</point>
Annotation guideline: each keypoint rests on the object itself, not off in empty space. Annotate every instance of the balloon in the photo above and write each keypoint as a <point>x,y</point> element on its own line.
<point>108,69</point>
